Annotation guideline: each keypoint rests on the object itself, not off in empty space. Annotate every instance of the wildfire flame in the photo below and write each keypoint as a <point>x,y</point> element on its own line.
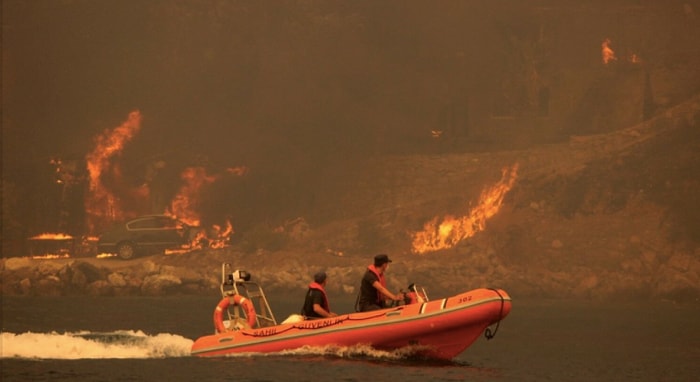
<point>51,236</point>
<point>451,230</point>
<point>184,205</point>
<point>111,198</point>
<point>51,256</point>
<point>107,145</point>
<point>607,52</point>
<point>59,246</point>
<point>221,236</point>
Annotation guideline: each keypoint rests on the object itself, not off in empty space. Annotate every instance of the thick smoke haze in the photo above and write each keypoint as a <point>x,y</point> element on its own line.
<point>302,93</point>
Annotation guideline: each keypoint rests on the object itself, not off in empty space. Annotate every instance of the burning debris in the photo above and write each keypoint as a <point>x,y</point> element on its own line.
<point>215,237</point>
<point>59,245</point>
<point>184,206</point>
<point>52,236</point>
<point>451,230</point>
<point>51,246</point>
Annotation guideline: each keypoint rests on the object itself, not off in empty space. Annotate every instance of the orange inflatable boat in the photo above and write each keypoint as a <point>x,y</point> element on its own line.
<point>437,329</point>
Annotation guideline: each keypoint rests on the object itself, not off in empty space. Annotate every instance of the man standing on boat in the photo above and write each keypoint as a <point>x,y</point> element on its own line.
<point>373,291</point>
<point>316,302</point>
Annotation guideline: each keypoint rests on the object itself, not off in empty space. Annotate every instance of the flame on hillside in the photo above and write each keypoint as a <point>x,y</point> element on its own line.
<point>448,232</point>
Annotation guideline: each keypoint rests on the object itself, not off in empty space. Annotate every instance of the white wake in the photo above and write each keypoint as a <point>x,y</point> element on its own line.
<point>93,345</point>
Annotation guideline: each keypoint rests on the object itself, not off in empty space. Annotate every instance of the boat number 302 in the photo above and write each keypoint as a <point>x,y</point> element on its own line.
<point>465,299</point>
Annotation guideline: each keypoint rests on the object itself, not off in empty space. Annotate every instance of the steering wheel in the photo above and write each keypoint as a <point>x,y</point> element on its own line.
<point>395,303</point>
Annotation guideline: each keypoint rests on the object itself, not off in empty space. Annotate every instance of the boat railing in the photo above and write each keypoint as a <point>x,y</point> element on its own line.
<point>238,282</point>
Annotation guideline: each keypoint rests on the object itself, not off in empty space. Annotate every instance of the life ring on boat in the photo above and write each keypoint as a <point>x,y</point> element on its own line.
<point>238,300</point>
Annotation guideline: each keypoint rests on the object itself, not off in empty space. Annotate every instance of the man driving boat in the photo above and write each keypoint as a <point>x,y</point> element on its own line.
<point>373,291</point>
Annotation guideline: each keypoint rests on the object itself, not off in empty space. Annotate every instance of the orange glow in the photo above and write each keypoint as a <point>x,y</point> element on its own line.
<point>51,236</point>
<point>101,205</point>
<point>179,251</point>
<point>48,246</point>
<point>607,52</point>
<point>51,256</point>
<point>437,235</point>
<point>185,203</point>
<point>221,237</point>
<point>113,199</point>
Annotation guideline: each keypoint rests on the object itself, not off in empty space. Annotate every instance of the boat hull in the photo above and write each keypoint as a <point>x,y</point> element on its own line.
<point>440,329</point>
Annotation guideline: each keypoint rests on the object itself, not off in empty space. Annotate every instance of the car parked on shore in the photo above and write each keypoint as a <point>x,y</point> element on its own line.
<point>146,235</point>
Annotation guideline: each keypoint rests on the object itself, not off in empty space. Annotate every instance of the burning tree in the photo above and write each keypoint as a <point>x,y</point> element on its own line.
<point>101,204</point>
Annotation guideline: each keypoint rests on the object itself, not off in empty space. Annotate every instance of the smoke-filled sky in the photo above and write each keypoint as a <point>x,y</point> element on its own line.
<point>217,75</point>
<point>209,77</point>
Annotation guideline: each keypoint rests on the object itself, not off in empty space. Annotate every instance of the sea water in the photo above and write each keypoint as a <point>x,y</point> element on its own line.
<point>147,338</point>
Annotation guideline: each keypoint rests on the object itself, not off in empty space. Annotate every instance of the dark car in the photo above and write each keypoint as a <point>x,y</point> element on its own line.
<point>146,235</point>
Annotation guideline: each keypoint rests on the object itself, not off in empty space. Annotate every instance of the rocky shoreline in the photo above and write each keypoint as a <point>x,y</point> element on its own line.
<point>199,273</point>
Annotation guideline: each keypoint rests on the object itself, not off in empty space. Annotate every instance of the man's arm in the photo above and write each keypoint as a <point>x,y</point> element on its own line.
<point>322,312</point>
<point>318,308</point>
<point>377,285</point>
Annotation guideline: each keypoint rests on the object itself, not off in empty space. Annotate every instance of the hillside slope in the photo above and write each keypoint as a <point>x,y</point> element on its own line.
<point>610,216</point>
